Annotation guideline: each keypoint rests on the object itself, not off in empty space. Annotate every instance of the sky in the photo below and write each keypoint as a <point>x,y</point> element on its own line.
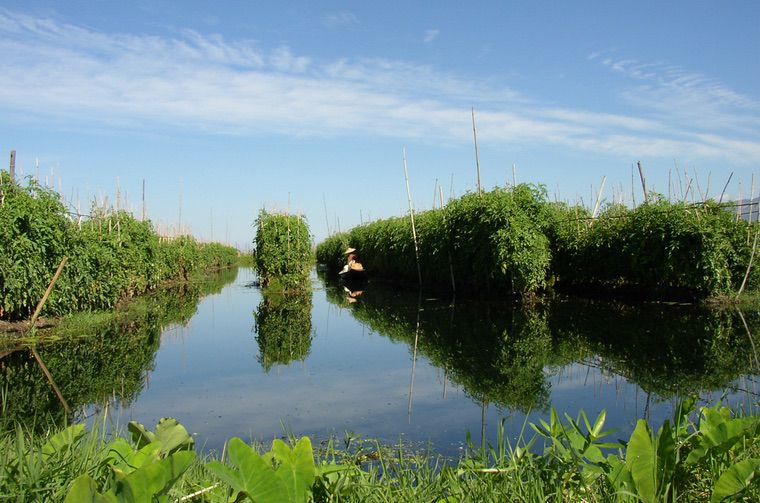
<point>225,108</point>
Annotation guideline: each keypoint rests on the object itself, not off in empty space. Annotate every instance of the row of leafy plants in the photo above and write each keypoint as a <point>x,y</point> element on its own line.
<point>516,240</point>
<point>283,254</point>
<point>111,254</point>
<point>714,456</point>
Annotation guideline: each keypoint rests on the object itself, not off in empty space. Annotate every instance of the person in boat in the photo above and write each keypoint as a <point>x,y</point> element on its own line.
<point>352,262</point>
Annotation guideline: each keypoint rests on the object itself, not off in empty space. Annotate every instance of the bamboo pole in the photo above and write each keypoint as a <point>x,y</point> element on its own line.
<point>599,198</point>
<point>749,266</point>
<point>725,187</point>
<point>751,197</point>
<point>12,167</point>
<point>451,265</point>
<point>643,182</point>
<point>411,216</point>
<point>477,160</point>
<point>48,291</point>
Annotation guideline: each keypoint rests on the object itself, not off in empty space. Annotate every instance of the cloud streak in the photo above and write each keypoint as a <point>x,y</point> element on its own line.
<point>202,82</point>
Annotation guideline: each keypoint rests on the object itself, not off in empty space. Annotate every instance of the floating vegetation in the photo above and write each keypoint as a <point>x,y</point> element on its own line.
<point>515,240</point>
<point>111,254</point>
<point>283,253</point>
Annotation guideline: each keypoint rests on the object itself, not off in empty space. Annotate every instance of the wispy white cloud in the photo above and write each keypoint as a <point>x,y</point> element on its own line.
<point>431,35</point>
<point>205,82</point>
<point>691,99</point>
<point>343,18</point>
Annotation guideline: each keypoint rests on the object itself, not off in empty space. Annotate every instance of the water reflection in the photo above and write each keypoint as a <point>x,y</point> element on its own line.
<point>507,354</point>
<point>283,326</point>
<point>110,361</point>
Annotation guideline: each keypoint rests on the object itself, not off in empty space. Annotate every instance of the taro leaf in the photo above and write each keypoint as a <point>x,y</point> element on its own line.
<point>172,435</point>
<point>155,479</point>
<point>126,459</point>
<point>640,461</point>
<point>254,476</point>
<point>735,479</point>
<point>84,490</point>
<point>296,468</point>
<point>718,432</point>
<point>62,440</point>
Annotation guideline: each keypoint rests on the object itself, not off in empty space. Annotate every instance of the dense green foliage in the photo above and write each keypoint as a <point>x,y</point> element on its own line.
<point>283,326</point>
<point>283,249</point>
<point>713,455</point>
<point>515,240</point>
<point>111,254</point>
<point>660,248</point>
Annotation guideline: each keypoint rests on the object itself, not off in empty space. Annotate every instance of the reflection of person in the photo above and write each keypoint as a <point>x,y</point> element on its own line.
<point>351,296</point>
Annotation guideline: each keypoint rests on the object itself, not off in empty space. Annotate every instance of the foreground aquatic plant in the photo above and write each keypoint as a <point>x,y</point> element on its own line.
<point>715,458</point>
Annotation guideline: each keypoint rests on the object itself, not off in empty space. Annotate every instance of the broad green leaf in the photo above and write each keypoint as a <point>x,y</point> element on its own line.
<point>666,455</point>
<point>62,440</point>
<point>640,461</point>
<point>735,479</point>
<point>84,490</point>
<point>171,435</point>
<point>296,468</point>
<point>254,476</point>
<point>154,479</point>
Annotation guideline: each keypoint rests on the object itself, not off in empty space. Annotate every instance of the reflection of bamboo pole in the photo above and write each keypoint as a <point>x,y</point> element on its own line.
<point>52,382</point>
<point>749,335</point>
<point>483,424</point>
<point>414,359</point>
<point>411,216</point>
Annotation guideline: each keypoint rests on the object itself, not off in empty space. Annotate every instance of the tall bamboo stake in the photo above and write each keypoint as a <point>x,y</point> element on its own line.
<point>477,160</point>
<point>643,182</point>
<point>599,198</point>
<point>411,216</point>
<point>725,187</point>
<point>749,266</point>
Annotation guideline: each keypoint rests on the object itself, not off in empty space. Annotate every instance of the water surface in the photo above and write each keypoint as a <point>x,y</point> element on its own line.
<point>388,364</point>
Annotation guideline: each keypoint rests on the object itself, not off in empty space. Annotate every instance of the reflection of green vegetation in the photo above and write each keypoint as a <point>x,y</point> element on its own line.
<point>668,350</point>
<point>283,326</point>
<point>110,357</point>
<point>498,352</point>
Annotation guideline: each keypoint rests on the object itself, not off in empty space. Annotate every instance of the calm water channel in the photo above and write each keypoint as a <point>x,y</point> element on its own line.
<point>228,361</point>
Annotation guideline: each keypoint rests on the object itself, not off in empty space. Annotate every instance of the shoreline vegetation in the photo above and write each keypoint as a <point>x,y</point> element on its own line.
<point>710,454</point>
<point>515,242</point>
<point>109,255</point>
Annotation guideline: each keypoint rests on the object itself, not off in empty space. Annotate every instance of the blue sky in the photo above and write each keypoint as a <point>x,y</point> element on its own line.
<point>224,108</point>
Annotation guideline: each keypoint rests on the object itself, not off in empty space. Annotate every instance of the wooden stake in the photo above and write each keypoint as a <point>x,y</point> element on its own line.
<point>411,216</point>
<point>599,198</point>
<point>749,266</point>
<point>13,166</point>
<point>477,160</point>
<point>48,291</point>
<point>643,182</point>
<point>725,187</point>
